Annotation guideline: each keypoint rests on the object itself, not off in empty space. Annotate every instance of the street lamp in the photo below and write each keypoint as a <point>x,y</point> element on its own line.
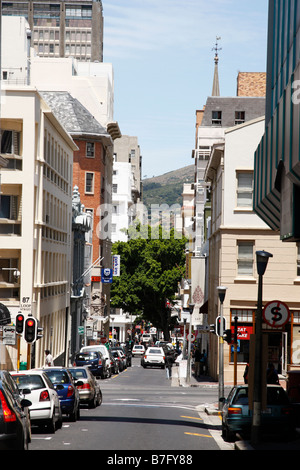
<point>188,370</point>
<point>262,258</point>
<point>221,292</point>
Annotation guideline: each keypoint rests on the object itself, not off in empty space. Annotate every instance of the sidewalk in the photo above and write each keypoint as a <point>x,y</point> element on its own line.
<point>179,379</point>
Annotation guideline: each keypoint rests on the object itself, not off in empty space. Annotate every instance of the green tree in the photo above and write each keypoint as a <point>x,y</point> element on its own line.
<point>152,264</point>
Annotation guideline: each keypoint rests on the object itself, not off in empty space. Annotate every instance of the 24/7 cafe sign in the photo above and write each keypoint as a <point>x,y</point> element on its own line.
<point>276,314</point>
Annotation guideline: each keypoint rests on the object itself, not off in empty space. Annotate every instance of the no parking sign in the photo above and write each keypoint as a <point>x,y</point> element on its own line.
<point>276,313</point>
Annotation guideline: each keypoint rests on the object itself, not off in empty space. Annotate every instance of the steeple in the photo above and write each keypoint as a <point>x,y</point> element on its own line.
<point>216,86</point>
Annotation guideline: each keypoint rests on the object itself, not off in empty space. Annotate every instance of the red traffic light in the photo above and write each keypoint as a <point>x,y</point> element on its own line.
<point>30,330</point>
<point>19,323</point>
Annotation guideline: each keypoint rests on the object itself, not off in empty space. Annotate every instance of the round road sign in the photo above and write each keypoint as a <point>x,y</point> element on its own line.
<point>276,313</point>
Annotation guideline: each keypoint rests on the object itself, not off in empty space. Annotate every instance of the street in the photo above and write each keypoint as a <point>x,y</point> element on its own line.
<point>141,411</point>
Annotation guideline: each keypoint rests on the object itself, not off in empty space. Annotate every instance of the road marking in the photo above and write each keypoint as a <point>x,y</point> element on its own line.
<point>191,417</point>
<point>200,435</point>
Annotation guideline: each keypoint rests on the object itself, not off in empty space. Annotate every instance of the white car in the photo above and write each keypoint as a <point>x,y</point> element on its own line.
<point>154,357</point>
<point>45,408</point>
<point>138,350</point>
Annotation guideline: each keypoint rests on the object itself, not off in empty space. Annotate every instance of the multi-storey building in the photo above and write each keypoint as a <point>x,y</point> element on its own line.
<point>62,28</point>
<point>92,170</point>
<point>218,115</point>
<point>36,219</point>
<point>127,185</point>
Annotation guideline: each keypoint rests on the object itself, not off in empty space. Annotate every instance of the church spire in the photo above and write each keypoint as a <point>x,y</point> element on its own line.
<point>216,86</point>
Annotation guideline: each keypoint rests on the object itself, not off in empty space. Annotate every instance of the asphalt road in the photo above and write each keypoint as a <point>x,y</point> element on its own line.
<point>141,411</point>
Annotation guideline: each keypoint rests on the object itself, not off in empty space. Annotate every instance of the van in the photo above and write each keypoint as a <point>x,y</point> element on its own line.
<point>104,351</point>
<point>146,338</point>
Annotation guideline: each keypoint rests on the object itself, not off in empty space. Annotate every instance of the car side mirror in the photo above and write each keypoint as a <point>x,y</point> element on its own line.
<point>25,403</point>
<point>59,387</point>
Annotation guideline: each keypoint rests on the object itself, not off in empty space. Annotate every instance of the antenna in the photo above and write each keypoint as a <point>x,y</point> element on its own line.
<point>217,49</point>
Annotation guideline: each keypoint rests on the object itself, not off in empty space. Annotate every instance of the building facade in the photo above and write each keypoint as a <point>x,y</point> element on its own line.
<point>62,28</point>
<point>36,220</point>
<point>236,234</point>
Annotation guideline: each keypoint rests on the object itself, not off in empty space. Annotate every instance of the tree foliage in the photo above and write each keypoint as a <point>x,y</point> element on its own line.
<point>152,264</point>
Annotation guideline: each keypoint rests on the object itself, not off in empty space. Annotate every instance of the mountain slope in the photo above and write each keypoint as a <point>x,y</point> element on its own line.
<point>167,188</point>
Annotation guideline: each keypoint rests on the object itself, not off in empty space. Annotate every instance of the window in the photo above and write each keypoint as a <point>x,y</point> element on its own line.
<point>8,207</point>
<point>115,188</point>
<point>244,189</point>
<point>10,142</point>
<point>298,260</point>
<point>217,118</point>
<point>239,117</point>
<point>89,182</point>
<point>245,259</point>
<point>90,149</point>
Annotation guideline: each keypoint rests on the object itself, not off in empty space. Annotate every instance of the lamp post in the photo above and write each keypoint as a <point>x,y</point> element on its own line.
<point>262,258</point>
<point>221,292</point>
<point>188,370</point>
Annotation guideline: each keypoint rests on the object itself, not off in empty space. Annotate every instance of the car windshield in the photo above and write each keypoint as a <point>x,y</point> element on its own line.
<point>241,397</point>
<point>154,351</point>
<point>86,356</point>
<point>275,396</point>
<point>33,382</point>
<point>58,376</point>
<point>79,373</point>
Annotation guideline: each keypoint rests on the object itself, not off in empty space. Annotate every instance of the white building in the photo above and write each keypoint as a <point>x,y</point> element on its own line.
<point>36,219</point>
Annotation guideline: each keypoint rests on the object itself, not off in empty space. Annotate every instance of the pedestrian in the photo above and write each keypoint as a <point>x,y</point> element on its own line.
<point>246,372</point>
<point>272,376</point>
<point>197,358</point>
<point>49,359</point>
<point>168,367</point>
<point>204,363</point>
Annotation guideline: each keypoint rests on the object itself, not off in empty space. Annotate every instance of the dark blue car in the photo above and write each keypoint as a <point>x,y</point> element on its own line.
<point>66,389</point>
<point>93,359</point>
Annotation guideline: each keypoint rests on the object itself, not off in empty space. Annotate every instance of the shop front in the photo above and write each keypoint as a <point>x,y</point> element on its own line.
<point>283,343</point>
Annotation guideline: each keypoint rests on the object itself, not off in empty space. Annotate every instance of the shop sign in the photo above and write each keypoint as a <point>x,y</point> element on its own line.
<point>243,332</point>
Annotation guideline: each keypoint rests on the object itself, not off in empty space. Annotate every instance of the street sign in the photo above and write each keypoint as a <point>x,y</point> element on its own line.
<point>9,335</point>
<point>106,276</point>
<point>190,338</point>
<point>276,314</point>
<point>81,330</point>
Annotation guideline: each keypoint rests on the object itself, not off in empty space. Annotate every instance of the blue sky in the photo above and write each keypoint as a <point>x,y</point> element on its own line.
<point>161,51</point>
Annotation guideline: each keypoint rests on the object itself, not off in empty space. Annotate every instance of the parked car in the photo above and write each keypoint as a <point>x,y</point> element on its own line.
<point>120,358</point>
<point>45,408</point>
<point>93,359</point>
<point>67,390</point>
<point>15,429</point>
<point>104,351</point>
<point>125,353</point>
<point>89,390</point>
<point>114,363</point>
<point>154,357</point>
<point>278,417</point>
<point>138,350</point>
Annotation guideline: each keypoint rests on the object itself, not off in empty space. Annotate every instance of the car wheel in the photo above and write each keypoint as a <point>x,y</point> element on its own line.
<point>99,398</point>
<point>93,402</point>
<point>73,415</point>
<point>51,425</point>
<point>59,422</point>
<point>227,435</point>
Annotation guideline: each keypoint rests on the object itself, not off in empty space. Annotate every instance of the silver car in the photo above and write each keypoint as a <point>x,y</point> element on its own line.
<point>89,391</point>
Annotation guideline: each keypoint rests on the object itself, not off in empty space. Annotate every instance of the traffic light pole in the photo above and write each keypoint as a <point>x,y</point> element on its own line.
<point>235,350</point>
